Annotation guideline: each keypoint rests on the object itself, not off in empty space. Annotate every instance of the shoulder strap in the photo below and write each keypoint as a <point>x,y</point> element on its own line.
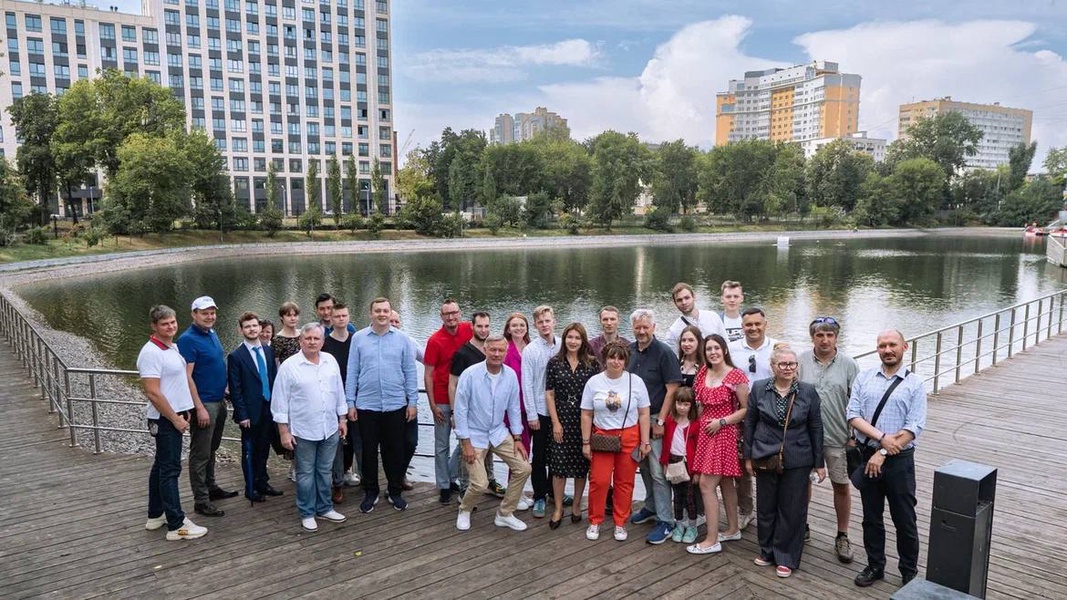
<point>629,396</point>
<point>885,398</point>
<point>686,321</point>
<point>788,414</point>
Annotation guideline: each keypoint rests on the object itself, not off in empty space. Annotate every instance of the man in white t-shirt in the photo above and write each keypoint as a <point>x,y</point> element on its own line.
<point>732,297</point>
<point>751,354</point>
<point>171,399</point>
<point>685,300</point>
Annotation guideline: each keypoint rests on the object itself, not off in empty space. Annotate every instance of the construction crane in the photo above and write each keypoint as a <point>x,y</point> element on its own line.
<point>407,142</point>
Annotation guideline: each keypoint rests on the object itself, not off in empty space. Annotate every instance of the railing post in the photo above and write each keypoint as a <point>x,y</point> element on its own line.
<point>1063,298</point>
<point>1048,321</point>
<point>914,353</point>
<point>1026,325</point>
<point>959,351</point>
<point>1011,334</point>
<point>66,392</point>
<point>937,362</point>
<point>978,348</point>
<point>71,422</point>
<point>96,415</point>
<point>996,338</point>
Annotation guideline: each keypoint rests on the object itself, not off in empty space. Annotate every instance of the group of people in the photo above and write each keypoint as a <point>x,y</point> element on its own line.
<point>704,413</point>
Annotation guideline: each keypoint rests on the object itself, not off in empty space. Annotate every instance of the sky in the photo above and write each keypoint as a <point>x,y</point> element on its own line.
<point>654,67</point>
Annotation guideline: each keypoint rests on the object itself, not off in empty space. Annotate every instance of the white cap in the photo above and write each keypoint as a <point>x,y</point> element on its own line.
<point>203,302</point>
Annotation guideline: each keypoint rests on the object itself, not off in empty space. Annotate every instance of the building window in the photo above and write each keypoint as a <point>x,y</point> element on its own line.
<point>35,46</point>
<point>129,33</point>
<point>58,25</point>
<point>15,67</point>
<point>171,17</point>
<point>150,36</point>
<point>381,6</point>
<point>33,23</point>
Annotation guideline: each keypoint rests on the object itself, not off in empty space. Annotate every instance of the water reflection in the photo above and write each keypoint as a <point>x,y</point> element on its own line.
<point>916,284</point>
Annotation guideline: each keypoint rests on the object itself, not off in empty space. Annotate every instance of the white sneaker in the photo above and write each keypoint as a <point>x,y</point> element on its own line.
<point>701,520</point>
<point>463,521</point>
<point>333,516</point>
<point>188,531</point>
<point>309,523</point>
<point>510,521</point>
<point>744,520</point>
<point>352,479</point>
<point>524,503</point>
<point>292,472</point>
<point>155,523</point>
<point>593,532</point>
<point>620,534</point>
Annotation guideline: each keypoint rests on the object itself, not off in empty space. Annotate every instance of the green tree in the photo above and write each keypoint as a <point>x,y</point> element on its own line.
<point>422,214</point>
<point>457,160</point>
<point>125,105</point>
<point>977,190</point>
<point>35,117</point>
<point>15,206</point>
<point>537,211</point>
<point>1038,201</point>
<point>413,179</point>
<point>1056,164</point>
<point>836,174</point>
<point>151,188</point>
<point>377,183</point>
<point>516,168</point>
<point>567,170</point>
<point>786,191</point>
<point>919,184</point>
<point>947,138</point>
<point>313,186</point>
<point>335,189</point>
<point>674,177</point>
<point>270,218</point>
<point>737,178</point>
<point>353,184</point>
<point>1020,158</point>
<point>620,162</point>
<point>877,205</point>
<point>209,181</point>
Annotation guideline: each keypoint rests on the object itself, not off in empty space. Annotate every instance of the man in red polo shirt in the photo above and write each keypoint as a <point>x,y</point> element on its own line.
<point>440,349</point>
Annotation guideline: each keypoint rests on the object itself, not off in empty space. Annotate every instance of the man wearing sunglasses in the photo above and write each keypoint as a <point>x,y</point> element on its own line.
<point>752,354</point>
<point>832,375</point>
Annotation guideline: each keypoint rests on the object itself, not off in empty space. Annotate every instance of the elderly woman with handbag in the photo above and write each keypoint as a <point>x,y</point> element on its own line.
<point>782,446</point>
<point>615,437</point>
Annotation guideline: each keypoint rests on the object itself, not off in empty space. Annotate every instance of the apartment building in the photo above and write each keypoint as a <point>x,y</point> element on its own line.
<point>285,81</point>
<point>796,104</point>
<point>1002,128</point>
<point>859,141</point>
<point>508,129</point>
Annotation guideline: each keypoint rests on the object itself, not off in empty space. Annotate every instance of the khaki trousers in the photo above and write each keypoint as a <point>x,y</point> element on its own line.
<point>479,479</point>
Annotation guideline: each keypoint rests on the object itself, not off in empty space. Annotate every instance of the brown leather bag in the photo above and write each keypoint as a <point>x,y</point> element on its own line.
<point>774,463</point>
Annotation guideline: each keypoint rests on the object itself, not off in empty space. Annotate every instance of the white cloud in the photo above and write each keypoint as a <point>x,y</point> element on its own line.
<point>502,64</point>
<point>674,97</point>
<point>976,61</point>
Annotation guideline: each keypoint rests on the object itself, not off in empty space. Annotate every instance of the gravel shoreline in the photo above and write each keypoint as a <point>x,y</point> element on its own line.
<point>78,352</point>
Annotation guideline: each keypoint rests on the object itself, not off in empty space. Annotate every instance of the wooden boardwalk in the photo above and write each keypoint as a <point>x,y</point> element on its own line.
<point>72,524</point>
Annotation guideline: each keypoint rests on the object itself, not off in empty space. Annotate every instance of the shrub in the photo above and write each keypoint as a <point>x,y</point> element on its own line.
<point>93,236</point>
<point>7,237</point>
<point>569,223</point>
<point>36,235</point>
<point>375,224</point>
<point>493,223</point>
<point>421,214</point>
<point>270,220</point>
<point>352,222</point>
<point>658,219</point>
<point>449,226</point>
<point>688,224</point>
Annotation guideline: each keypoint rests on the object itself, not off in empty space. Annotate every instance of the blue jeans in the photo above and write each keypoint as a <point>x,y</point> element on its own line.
<point>163,496</point>
<point>445,465</point>
<point>314,463</point>
<point>657,490</point>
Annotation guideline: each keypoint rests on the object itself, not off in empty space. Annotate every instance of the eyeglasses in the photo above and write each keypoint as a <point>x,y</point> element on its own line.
<point>787,365</point>
<point>451,313</point>
<point>752,363</point>
<point>827,320</point>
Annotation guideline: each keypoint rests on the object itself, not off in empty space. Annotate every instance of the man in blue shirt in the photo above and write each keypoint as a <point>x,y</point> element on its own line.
<point>206,363</point>
<point>485,393</point>
<point>889,440</point>
<point>382,392</point>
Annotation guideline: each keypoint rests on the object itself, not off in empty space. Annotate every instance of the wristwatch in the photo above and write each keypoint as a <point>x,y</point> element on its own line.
<point>883,452</point>
<point>722,422</point>
<point>659,422</point>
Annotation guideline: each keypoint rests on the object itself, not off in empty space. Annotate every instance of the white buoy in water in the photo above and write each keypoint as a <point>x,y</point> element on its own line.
<point>783,241</point>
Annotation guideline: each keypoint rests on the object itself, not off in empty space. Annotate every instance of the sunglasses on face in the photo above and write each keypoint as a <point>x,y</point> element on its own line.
<point>752,363</point>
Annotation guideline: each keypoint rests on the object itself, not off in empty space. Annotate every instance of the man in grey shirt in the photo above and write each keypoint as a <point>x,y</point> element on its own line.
<point>832,374</point>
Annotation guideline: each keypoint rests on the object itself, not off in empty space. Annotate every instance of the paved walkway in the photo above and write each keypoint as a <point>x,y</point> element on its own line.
<point>72,524</point>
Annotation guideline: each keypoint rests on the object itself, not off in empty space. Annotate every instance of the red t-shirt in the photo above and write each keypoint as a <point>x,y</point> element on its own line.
<point>439,351</point>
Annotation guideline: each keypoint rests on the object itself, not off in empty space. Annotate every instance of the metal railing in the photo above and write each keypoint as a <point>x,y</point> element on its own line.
<point>89,399</point>
<point>958,351</point>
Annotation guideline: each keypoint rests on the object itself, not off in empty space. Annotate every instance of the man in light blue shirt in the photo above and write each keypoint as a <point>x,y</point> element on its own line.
<point>485,393</point>
<point>382,391</point>
<point>889,441</point>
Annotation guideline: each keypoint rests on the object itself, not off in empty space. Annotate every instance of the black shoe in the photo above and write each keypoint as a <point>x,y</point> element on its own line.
<point>906,578</point>
<point>267,490</point>
<point>446,497</point>
<point>255,497</point>
<point>869,576</point>
<point>807,532</point>
<point>218,493</point>
<point>208,510</point>
<point>453,487</point>
<point>369,500</point>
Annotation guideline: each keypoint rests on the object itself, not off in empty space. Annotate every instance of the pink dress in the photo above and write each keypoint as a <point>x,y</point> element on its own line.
<point>716,454</point>
<point>513,359</point>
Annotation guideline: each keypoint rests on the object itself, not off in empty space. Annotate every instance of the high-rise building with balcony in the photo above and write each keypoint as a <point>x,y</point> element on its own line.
<point>509,129</point>
<point>1002,127</point>
<point>803,102</point>
<point>282,81</point>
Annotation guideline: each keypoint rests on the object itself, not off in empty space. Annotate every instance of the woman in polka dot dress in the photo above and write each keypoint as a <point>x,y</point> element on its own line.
<point>722,393</point>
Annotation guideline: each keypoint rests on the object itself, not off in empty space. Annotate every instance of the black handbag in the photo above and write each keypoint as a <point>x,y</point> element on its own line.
<point>602,442</point>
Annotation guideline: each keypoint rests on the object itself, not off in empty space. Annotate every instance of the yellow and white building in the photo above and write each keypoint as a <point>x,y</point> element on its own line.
<point>1003,128</point>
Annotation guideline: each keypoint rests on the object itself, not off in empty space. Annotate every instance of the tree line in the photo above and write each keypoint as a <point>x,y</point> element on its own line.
<point>922,180</point>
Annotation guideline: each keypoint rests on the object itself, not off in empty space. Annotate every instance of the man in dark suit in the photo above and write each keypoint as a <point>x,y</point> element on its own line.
<point>250,374</point>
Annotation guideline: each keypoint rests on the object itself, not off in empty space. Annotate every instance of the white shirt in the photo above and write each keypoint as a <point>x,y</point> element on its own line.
<point>678,441</point>
<point>734,328</point>
<point>309,397</point>
<point>601,393</point>
<point>168,367</point>
<point>707,321</point>
<point>535,359</point>
<point>740,353</point>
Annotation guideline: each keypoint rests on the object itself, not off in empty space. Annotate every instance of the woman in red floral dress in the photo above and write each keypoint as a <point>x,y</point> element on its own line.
<point>722,393</point>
